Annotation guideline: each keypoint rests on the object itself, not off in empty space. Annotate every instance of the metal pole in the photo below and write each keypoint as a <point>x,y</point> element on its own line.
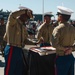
<point>62,4</point>
<point>43,10</point>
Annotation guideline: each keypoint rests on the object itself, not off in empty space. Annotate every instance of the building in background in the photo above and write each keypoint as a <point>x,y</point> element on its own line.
<point>37,17</point>
<point>4,14</point>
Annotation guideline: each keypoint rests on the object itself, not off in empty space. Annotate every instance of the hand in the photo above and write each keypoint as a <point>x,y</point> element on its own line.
<point>68,51</point>
<point>41,39</point>
<point>35,43</point>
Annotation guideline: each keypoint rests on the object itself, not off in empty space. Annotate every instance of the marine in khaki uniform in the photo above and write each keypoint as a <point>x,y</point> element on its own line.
<point>45,31</point>
<point>44,37</point>
<point>15,37</point>
<point>63,37</point>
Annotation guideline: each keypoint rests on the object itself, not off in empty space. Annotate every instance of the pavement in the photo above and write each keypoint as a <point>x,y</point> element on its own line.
<point>2,62</point>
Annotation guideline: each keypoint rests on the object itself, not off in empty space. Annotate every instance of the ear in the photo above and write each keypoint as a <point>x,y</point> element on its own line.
<point>29,13</point>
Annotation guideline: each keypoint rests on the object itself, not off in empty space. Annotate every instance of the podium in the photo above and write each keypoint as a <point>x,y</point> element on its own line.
<point>41,60</point>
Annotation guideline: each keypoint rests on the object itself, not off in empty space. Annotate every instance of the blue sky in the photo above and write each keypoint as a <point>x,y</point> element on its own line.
<point>37,5</point>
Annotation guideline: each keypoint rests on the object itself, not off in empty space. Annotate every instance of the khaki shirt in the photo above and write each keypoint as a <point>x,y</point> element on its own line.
<point>13,29</point>
<point>63,35</point>
<point>45,31</point>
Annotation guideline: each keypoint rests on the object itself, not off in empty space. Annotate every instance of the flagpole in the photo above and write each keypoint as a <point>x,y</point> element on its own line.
<point>62,4</point>
<point>43,10</point>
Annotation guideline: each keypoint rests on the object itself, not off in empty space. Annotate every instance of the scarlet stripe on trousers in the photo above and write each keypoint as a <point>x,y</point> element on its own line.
<point>9,60</point>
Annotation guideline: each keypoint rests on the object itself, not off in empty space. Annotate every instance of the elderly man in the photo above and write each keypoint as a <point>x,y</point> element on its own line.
<point>15,37</point>
<point>63,39</point>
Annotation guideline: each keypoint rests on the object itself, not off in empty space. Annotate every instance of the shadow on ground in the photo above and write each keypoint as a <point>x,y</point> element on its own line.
<point>2,64</point>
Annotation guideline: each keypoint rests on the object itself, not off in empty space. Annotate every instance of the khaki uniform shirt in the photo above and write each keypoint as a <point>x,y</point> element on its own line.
<point>63,35</point>
<point>45,31</point>
<point>13,29</point>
